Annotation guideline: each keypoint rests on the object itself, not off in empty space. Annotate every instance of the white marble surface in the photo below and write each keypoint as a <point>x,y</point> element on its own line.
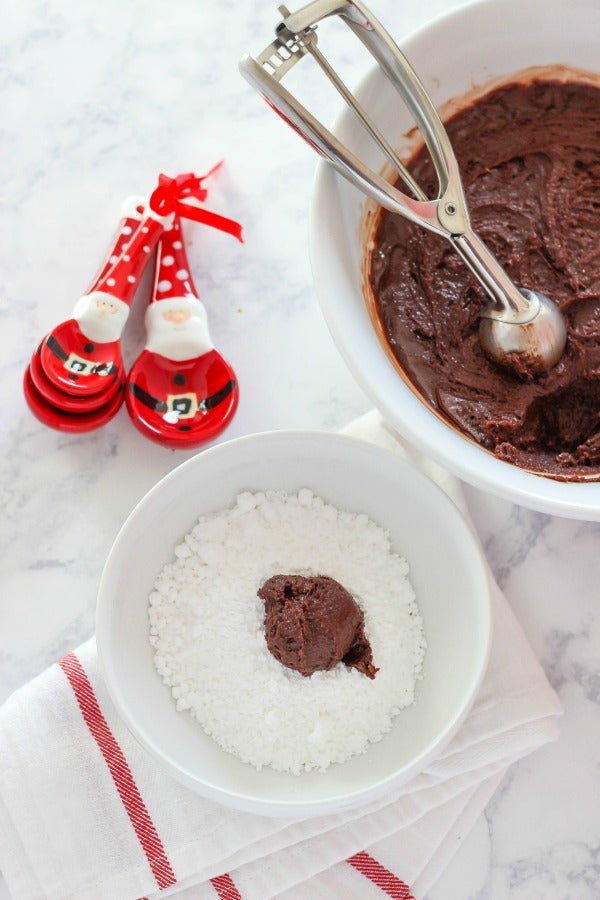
<point>96,99</point>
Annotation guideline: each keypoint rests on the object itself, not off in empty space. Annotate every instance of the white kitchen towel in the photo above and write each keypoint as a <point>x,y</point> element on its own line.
<point>86,814</point>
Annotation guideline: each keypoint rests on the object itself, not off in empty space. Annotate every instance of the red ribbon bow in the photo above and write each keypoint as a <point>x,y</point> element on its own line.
<point>171,193</point>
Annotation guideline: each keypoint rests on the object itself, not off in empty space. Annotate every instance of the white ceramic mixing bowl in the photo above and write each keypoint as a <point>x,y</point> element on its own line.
<point>447,573</point>
<point>453,55</point>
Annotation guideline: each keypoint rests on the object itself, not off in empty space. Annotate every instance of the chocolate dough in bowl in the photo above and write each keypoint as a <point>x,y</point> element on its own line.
<point>402,307</point>
<point>529,152</point>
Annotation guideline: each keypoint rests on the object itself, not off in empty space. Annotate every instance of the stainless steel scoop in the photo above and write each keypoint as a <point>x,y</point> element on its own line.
<point>519,328</point>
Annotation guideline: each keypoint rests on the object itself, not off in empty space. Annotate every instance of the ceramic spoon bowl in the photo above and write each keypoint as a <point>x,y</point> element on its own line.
<point>68,402</point>
<point>71,422</point>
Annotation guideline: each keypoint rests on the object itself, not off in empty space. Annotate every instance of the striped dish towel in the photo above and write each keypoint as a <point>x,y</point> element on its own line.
<point>86,814</point>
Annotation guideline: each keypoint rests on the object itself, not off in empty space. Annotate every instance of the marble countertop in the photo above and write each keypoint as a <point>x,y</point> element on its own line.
<point>96,100</point>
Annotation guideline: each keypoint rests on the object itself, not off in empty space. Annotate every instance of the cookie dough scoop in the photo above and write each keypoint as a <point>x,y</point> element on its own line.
<point>521,329</point>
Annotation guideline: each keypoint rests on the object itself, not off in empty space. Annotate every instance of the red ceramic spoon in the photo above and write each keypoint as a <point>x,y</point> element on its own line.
<point>81,355</point>
<point>67,402</point>
<point>180,392</point>
<point>70,422</point>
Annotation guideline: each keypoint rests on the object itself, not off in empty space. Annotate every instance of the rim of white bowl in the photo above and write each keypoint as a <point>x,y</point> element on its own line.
<point>419,424</point>
<point>245,800</point>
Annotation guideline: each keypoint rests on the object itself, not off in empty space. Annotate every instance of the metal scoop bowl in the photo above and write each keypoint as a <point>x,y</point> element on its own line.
<point>521,330</point>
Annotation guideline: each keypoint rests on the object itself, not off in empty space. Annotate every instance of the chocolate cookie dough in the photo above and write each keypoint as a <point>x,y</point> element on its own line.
<point>314,623</point>
<point>529,155</point>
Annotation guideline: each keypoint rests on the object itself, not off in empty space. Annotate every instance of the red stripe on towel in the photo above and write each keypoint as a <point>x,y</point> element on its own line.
<point>225,888</point>
<point>380,876</point>
<point>120,771</point>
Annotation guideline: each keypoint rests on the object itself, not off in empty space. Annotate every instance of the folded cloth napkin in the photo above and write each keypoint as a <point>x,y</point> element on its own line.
<point>85,813</point>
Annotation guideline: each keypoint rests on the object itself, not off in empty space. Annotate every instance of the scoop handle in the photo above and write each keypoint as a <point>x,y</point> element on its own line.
<point>447,215</point>
<point>321,139</point>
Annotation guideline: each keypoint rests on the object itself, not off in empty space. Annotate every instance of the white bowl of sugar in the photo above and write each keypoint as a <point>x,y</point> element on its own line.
<point>185,645</point>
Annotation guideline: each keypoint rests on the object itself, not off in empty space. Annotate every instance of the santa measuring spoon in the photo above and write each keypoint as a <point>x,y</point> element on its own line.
<point>81,355</point>
<point>180,392</point>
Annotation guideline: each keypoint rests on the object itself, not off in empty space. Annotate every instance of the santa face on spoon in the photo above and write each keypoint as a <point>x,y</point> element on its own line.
<point>180,391</point>
<point>87,345</point>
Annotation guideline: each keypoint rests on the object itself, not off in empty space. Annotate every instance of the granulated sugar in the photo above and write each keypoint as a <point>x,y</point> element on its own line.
<point>207,629</point>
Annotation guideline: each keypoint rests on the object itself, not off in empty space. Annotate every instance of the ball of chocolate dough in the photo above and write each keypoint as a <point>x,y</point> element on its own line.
<point>313,623</point>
